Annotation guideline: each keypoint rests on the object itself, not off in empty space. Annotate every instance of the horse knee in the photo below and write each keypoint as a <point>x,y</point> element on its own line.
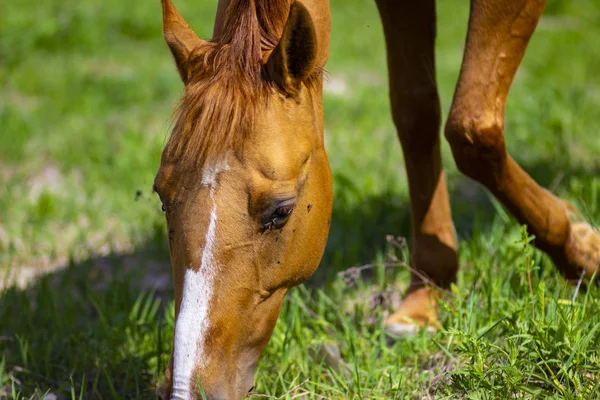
<point>478,147</point>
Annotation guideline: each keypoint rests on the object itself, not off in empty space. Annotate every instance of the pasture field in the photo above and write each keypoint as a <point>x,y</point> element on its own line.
<point>86,92</point>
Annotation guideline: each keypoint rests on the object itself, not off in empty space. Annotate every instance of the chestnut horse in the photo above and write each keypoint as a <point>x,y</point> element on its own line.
<point>246,186</point>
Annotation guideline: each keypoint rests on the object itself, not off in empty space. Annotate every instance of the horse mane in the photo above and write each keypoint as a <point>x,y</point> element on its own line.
<point>227,85</point>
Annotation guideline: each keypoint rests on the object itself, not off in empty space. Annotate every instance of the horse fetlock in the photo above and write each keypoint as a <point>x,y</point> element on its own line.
<point>583,248</point>
<point>435,258</point>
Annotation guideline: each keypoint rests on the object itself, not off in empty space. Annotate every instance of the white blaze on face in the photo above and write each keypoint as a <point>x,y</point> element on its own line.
<point>192,322</point>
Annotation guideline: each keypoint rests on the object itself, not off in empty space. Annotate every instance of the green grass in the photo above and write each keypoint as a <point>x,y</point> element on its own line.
<point>86,92</point>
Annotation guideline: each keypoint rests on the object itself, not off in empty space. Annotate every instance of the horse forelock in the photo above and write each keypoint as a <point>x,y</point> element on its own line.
<point>227,86</point>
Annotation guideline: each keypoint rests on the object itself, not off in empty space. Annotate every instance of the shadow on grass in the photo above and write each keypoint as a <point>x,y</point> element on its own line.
<point>97,327</point>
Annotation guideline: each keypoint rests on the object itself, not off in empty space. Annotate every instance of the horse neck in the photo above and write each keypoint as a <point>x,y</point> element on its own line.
<point>319,11</point>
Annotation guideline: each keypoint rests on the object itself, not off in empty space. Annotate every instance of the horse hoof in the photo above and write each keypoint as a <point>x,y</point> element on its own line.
<point>583,248</point>
<point>400,331</point>
<point>417,311</point>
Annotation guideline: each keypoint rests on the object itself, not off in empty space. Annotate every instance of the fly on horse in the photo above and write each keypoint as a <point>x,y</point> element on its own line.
<point>246,185</point>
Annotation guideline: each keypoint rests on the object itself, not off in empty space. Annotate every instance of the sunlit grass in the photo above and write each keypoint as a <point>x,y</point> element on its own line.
<point>87,90</point>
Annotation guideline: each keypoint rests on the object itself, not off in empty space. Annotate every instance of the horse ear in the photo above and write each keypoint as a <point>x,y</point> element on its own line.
<point>180,38</point>
<point>293,59</point>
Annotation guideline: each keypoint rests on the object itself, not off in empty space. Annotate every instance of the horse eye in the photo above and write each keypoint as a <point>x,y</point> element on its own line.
<point>279,217</point>
<point>284,211</point>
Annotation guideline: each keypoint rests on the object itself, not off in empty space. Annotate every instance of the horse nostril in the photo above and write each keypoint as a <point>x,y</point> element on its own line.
<point>251,389</point>
<point>161,393</point>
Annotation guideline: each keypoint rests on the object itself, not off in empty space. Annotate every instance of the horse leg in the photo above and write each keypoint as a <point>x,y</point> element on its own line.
<point>499,31</point>
<point>409,28</point>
